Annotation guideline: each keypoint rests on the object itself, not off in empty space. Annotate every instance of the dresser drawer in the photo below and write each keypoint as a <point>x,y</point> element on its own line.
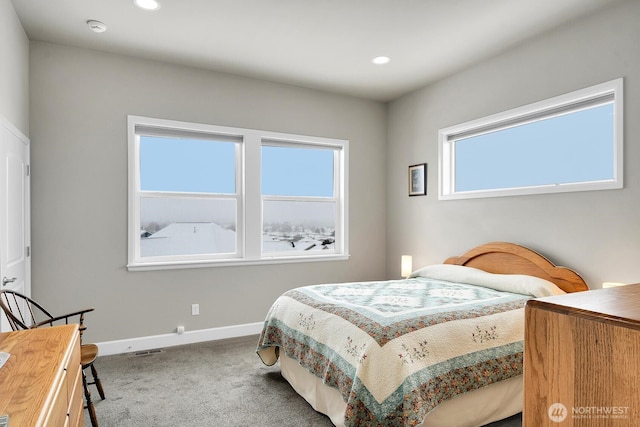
<point>59,404</point>
<point>76,403</point>
<point>73,370</point>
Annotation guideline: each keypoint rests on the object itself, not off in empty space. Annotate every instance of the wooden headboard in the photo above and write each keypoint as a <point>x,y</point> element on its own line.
<point>509,258</point>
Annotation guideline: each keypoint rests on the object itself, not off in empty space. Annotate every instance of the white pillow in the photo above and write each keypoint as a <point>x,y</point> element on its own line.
<point>517,283</point>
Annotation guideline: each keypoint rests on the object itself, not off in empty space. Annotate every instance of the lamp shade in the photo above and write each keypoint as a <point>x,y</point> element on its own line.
<point>406,265</point>
<point>612,284</point>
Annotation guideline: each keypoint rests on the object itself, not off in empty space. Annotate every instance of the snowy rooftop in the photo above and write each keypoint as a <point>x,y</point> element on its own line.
<point>188,238</point>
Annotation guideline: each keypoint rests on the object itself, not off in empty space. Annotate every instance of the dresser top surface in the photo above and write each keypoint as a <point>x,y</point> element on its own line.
<point>619,304</point>
<point>36,362</point>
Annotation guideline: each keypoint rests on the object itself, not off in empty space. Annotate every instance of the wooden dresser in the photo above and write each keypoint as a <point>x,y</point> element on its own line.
<point>582,359</point>
<point>41,383</point>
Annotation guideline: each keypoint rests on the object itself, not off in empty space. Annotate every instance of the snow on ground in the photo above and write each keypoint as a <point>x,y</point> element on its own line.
<point>189,238</point>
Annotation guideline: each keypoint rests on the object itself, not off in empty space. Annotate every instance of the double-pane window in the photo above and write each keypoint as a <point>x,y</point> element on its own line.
<point>203,195</point>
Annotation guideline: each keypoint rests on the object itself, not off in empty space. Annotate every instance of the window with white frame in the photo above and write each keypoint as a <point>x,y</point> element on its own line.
<point>568,143</point>
<point>298,214</point>
<point>204,195</point>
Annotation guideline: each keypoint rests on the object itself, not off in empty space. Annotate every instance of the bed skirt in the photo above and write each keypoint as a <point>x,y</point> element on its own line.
<point>472,409</point>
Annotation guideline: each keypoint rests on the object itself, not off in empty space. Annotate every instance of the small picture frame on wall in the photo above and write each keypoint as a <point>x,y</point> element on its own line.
<point>418,180</point>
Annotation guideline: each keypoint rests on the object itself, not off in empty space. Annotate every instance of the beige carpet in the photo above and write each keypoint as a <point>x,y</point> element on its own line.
<point>218,383</point>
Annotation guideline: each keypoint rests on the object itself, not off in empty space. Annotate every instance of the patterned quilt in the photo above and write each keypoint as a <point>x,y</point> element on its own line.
<point>396,349</point>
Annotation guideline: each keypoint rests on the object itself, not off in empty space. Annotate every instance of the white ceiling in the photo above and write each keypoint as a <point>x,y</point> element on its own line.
<point>322,44</point>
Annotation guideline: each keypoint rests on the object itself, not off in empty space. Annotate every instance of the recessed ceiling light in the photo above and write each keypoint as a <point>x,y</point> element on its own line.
<point>379,60</point>
<point>147,4</point>
<point>96,26</point>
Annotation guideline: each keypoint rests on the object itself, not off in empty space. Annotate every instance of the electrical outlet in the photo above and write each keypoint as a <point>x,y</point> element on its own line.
<point>195,309</point>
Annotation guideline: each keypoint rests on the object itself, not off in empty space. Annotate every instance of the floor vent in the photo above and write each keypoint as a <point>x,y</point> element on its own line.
<point>148,352</point>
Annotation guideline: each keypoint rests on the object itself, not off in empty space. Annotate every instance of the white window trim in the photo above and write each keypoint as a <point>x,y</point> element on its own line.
<point>248,177</point>
<point>517,116</point>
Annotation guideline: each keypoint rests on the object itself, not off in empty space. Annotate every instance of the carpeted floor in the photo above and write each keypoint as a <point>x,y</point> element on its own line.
<point>218,383</point>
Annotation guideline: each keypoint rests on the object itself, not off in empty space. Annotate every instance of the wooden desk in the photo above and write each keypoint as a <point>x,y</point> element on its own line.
<point>41,383</point>
<point>582,359</point>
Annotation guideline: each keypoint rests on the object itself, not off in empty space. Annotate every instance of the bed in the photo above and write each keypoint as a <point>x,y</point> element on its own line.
<point>443,347</point>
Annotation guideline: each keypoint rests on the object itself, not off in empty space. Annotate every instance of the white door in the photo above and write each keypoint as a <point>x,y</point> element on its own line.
<point>15,259</point>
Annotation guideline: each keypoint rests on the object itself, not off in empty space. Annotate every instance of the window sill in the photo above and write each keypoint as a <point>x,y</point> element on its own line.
<point>175,265</point>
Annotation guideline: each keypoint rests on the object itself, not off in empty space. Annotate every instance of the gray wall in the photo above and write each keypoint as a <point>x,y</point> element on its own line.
<point>14,69</point>
<point>80,100</point>
<point>597,233</point>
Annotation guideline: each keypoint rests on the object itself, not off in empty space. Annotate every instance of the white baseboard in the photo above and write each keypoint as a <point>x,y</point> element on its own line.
<point>168,340</point>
